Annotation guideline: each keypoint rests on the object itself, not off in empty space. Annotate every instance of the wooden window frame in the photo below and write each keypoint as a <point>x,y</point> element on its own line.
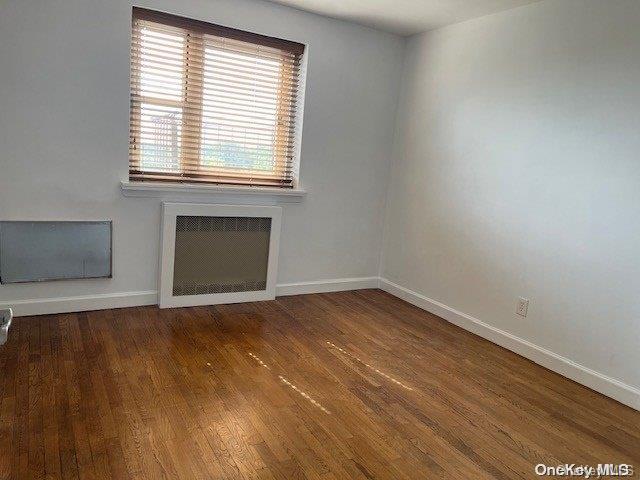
<point>192,98</point>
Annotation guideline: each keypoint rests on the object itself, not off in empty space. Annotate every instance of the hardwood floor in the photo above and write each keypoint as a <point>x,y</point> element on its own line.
<point>342,385</point>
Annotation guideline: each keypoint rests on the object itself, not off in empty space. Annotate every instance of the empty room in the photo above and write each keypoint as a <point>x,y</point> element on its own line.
<point>319,239</point>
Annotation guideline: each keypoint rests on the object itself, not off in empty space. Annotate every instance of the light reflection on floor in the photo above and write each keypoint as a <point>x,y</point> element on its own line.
<point>305,395</point>
<point>358,359</point>
<point>302,393</point>
<point>260,362</point>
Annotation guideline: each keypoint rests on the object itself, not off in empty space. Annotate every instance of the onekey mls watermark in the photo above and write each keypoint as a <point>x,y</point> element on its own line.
<point>601,470</point>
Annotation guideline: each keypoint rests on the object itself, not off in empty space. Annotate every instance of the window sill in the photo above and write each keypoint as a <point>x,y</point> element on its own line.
<point>216,192</point>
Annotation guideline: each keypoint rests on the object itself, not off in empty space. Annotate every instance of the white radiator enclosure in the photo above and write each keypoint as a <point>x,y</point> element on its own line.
<point>225,254</point>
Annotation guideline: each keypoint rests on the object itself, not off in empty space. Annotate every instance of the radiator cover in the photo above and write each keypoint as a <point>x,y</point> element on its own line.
<point>218,254</point>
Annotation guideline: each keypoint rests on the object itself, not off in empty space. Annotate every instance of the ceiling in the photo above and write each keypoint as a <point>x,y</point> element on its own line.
<point>405,17</point>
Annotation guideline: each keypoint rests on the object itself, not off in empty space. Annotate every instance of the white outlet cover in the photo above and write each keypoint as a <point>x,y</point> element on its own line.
<point>522,307</point>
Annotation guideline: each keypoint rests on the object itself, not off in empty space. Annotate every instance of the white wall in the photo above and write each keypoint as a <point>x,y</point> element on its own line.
<point>517,173</point>
<point>64,108</point>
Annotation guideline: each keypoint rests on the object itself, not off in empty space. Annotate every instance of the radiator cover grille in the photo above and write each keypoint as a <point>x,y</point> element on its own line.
<point>220,254</point>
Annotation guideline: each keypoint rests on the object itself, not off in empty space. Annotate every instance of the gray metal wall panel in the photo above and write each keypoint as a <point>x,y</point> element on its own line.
<point>39,251</point>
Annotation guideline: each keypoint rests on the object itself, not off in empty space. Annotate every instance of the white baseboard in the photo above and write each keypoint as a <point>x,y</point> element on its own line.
<point>48,306</point>
<point>599,382</point>
<point>323,286</point>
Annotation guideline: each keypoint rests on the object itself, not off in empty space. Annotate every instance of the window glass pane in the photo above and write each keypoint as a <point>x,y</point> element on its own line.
<point>160,132</point>
<point>161,65</point>
<point>239,111</point>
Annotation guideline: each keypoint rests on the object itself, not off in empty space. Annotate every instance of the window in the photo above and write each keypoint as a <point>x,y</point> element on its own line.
<point>210,103</point>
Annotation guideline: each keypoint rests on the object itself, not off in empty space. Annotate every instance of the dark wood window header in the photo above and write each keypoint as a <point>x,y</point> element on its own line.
<point>217,30</point>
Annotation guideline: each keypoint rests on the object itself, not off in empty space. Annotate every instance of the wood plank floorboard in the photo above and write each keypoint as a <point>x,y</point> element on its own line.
<point>348,385</point>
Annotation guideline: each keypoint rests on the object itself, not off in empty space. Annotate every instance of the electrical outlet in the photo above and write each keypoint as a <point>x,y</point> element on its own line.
<point>5,323</point>
<point>522,306</point>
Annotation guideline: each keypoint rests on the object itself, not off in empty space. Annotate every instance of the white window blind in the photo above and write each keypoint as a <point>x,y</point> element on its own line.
<point>210,103</point>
